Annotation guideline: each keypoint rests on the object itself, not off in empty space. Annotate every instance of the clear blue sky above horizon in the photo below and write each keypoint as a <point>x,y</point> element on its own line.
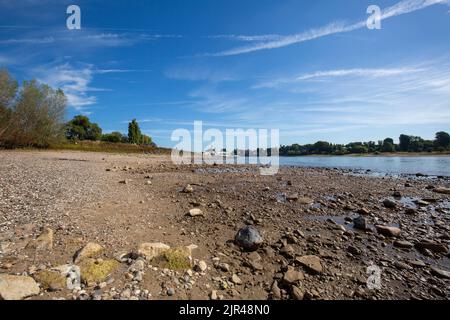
<point>311,69</point>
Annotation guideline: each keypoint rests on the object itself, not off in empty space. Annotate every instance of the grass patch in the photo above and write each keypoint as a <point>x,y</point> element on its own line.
<point>109,147</point>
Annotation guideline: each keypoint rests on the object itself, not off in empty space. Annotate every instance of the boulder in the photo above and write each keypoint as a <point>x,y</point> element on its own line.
<point>96,270</point>
<point>360,223</point>
<point>249,238</point>
<point>17,287</point>
<point>51,280</point>
<point>152,250</point>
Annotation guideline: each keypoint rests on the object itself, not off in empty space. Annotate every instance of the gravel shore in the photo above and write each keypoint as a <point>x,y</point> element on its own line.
<point>326,234</point>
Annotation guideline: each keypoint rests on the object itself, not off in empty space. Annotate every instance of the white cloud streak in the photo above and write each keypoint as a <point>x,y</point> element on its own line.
<point>402,7</point>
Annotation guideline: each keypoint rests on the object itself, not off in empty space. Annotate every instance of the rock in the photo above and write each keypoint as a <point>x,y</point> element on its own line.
<point>432,246</point>
<point>188,189</point>
<point>225,267</point>
<point>174,259</point>
<point>235,279</point>
<point>388,231</point>
<point>90,250</point>
<point>360,223</point>
<point>51,280</point>
<point>276,292</point>
<point>296,293</point>
<point>152,250</point>
<point>440,273</point>
<point>305,200</point>
<point>397,194</point>
<point>353,250</point>
<point>200,266</point>
<point>44,241</point>
<point>292,197</point>
<point>390,204</point>
<point>312,263</point>
<point>363,211</point>
<point>71,273</point>
<point>442,190</point>
<point>213,295</point>
<point>170,292</point>
<point>96,271</point>
<point>292,276</point>
<point>249,238</point>
<point>288,251</point>
<point>17,287</point>
<point>195,213</point>
<point>403,244</point>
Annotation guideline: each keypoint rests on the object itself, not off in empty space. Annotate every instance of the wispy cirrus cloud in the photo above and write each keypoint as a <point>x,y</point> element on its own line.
<point>75,81</point>
<point>356,72</point>
<point>402,7</point>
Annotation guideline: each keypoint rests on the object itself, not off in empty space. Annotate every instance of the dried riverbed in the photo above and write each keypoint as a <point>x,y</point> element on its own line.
<point>321,229</point>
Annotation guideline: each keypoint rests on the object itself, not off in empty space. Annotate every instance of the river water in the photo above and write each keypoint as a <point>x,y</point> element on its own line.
<point>428,165</point>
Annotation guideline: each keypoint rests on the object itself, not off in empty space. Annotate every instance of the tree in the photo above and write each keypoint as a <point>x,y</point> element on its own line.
<point>405,142</point>
<point>134,132</point>
<point>8,91</point>
<point>442,140</point>
<point>388,145</point>
<point>37,116</point>
<point>146,140</point>
<point>114,137</point>
<point>81,128</point>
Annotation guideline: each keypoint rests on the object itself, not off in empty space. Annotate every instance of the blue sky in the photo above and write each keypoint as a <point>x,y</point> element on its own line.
<point>311,69</point>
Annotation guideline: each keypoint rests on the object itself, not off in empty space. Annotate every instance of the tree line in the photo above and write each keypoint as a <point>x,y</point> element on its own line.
<point>33,115</point>
<point>407,143</point>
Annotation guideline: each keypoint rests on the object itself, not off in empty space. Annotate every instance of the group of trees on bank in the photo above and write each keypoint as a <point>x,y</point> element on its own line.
<point>34,115</point>
<point>407,144</point>
<point>80,128</point>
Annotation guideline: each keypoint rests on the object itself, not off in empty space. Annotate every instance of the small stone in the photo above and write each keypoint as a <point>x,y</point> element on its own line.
<point>213,295</point>
<point>90,250</point>
<point>152,250</point>
<point>311,263</point>
<point>442,190</point>
<point>390,204</point>
<point>388,231</point>
<point>360,223</point>
<point>276,292</point>
<point>363,211</point>
<point>403,244</point>
<point>51,280</point>
<point>249,238</point>
<point>44,241</point>
<point>196,212</point>
<point>188,189</point>
<point>440,273</point>
<point>432,246</point>
<point>235,279</point>
<point>353,250</point>
<point>296,293</point>
<point>170,292</point>
<point>17,287</point>
<point>200,266</point>
<point>292,276</point>
<point>224,267</point>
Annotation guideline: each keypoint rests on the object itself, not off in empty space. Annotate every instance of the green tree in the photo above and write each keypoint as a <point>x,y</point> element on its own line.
<point>8,91</point>
<point>81,128</point>
<point>388,145</point>
<point>442,140</point>
<point>134,132</point>
<point>405,142</point>
<point>114,137</point>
